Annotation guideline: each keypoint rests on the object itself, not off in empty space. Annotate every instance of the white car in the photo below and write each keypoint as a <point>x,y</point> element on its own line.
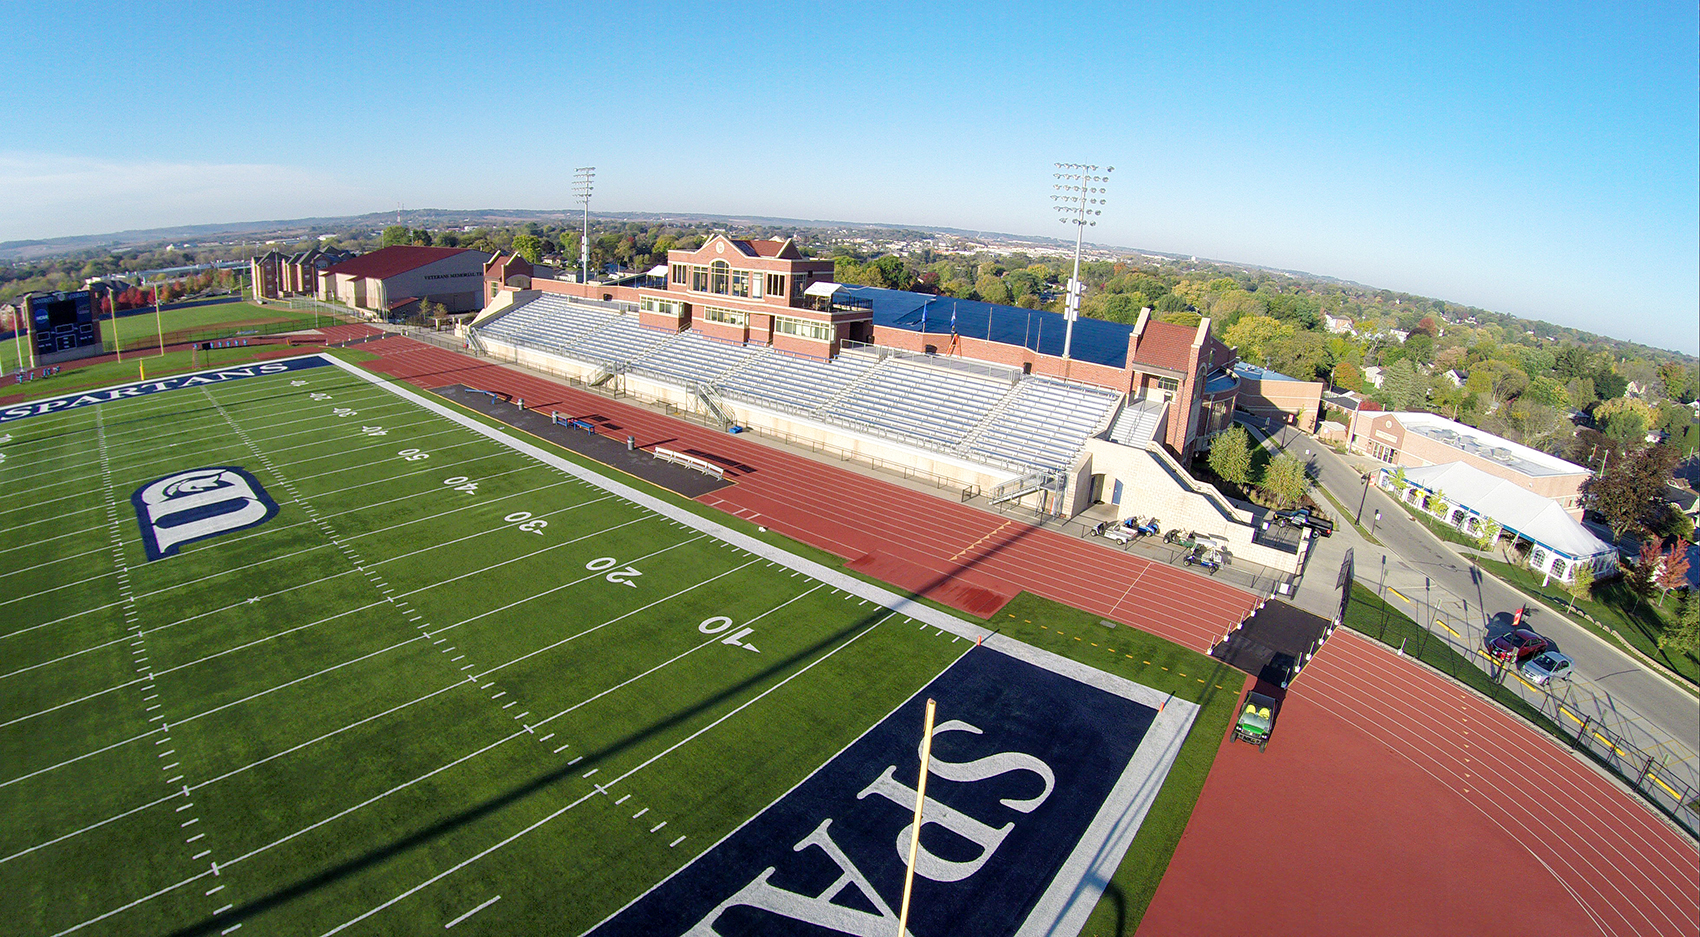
<point>1546,667</point>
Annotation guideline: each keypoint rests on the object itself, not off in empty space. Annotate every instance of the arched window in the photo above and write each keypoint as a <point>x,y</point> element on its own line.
<point>719,276</point>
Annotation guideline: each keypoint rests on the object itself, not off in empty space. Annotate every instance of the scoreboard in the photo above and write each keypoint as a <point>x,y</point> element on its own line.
<point>63,322</point>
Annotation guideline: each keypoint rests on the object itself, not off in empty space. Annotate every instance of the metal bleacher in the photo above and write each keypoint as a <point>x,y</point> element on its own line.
<point>803,384</point>
<point>933,404</point>
<point>692,358</point>
<point>1045,423</point>
<point>620,342</point>
<point>1017,422</point>
<point>548,322</point>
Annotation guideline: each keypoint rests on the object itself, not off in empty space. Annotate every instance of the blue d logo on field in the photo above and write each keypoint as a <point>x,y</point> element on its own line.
<point>198,504</point>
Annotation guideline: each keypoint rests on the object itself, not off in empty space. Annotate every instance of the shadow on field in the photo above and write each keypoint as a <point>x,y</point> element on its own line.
<point>539,784</point>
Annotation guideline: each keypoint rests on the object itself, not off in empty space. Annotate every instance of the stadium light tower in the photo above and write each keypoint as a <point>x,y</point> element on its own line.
<point>1079,188</point>
<point>585,176</point>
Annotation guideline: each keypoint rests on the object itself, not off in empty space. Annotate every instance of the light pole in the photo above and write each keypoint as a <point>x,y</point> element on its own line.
<point>584,177</point>
<point>1360,520</point>
<point>1078,187</point>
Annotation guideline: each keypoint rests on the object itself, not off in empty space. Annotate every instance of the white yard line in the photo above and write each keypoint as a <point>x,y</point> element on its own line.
<point>608,784</point>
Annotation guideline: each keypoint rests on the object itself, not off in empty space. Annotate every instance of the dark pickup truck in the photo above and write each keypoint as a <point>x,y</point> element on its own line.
<point>1304,518</point>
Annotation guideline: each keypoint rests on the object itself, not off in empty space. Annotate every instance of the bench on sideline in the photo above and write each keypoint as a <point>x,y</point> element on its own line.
<point>679,458</point>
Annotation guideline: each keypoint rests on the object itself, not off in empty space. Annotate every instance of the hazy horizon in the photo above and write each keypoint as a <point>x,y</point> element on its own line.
<point>1539,162</point>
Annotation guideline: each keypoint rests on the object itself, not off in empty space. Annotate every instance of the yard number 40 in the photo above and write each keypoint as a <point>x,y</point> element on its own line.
<point>622,576</point>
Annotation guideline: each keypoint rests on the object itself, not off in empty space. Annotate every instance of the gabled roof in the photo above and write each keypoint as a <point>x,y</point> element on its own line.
<point>1510,505</point>
<point>392,261</point>
<point>771,248</point>
<point>1165,345</point>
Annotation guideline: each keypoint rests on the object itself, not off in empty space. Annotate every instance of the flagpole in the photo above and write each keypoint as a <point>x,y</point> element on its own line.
<point>915,835</point>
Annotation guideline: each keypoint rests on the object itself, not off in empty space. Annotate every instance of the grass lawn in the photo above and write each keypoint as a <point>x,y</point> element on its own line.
<point>206,322</point>
<point>1345,514</point>
<point>1615,606</point>
<point>1444,531</point>
<point>1162,665</point>
<point>141,332</point>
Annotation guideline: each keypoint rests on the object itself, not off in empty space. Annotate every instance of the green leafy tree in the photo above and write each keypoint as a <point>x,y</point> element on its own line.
<point>1230,455</point>
<point>1581,585</point>
<point>1487,533</point>
<point>396,235</point>
<point>420,237</point>
<point>1400,386</point>
<point>1682,635</point>
<point>529,246</point>
<point>1254,337</point>
<point>1284,481</point>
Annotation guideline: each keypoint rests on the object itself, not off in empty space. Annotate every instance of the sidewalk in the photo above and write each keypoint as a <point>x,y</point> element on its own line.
<point>1437,586</point>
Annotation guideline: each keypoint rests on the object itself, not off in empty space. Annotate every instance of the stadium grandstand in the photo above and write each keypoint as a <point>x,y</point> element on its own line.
<point>974,394</point>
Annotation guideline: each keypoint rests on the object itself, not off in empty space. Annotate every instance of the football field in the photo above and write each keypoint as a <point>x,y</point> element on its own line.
<point>301,652</point>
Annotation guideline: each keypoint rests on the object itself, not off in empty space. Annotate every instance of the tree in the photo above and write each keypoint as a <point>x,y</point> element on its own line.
<point>1581,585</point>
<point>1672,571</point>
<point>1676,380</point>
<point>1302,355</point>
<point>396,235</point>
<point>1627,493</point>
<point>1230,455</point>
<point>1400,387</point>
<point>1254,337</point>
<point>1438,505</point>
<point>1646,568</point>
<point>1284,481</point>
<point>420,237</point>
<point>529,246</point>
<point>1683,635</point>
<point>1486,534</point>
<point>1347,375</point>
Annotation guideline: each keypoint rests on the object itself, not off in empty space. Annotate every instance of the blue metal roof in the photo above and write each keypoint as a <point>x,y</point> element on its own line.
<point>1095,340</point>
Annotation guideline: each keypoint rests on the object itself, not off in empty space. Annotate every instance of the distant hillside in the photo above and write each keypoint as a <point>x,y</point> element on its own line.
<point>299,229</point>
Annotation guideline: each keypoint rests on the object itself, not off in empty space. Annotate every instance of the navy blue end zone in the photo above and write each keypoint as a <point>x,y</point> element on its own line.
<point>159,385</point>
<point>1024,761</point>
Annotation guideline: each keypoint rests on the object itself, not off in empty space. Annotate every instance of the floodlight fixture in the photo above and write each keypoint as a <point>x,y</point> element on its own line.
<point>583,184</point>
<point>1079,189</point>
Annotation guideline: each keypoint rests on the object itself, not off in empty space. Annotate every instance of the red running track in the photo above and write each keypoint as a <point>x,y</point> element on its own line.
<point>852,515</point>
<point>1370,812</point>
<point>1393,801</point>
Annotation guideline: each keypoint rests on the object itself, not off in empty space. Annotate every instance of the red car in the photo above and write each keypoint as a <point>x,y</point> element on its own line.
<point>1517,645</point>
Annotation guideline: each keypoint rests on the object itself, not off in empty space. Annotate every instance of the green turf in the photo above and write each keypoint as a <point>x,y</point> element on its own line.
<point>242,634</point>
<point>337,761</point>
<point>205,322</point>
<point>1162,665</point>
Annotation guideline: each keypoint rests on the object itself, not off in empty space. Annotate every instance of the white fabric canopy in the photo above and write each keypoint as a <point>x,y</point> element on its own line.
<point>822,289</point>
<point>1540,519</point>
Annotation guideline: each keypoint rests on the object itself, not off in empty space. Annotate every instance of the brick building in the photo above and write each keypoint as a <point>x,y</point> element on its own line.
<point>1415,440</point>
<point>1273,395</point>
<point>766,292</point>
<point>387,282</point>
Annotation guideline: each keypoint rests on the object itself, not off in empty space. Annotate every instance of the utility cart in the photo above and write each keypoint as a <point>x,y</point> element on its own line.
<point>1257,720</point>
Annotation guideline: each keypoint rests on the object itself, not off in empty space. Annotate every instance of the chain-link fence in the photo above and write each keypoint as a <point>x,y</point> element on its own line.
<point>1455,647</point>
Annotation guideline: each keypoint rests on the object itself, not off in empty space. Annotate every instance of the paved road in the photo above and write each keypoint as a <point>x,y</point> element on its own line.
<point>1438,582</point>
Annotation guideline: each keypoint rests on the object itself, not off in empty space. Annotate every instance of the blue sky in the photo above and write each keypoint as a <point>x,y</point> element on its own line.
<point>1536,159</point>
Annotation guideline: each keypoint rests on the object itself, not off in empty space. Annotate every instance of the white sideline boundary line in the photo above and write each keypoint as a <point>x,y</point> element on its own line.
<point>1101,848</point>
